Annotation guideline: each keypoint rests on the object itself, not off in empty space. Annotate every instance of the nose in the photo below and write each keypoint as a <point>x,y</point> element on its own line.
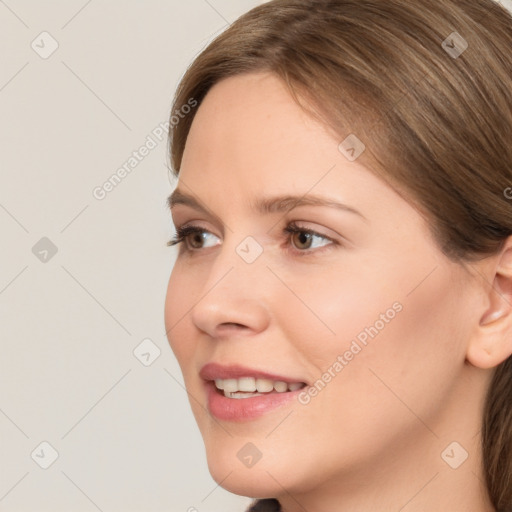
<point>234,298</point>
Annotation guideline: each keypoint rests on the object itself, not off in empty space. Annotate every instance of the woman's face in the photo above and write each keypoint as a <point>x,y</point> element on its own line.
<point>368,305</point>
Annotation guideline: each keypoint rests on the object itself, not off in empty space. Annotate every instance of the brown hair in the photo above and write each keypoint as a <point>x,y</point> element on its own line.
<point>435,116</point>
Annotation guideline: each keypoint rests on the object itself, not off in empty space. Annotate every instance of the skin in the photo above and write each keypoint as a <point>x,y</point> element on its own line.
<point>372,439</point>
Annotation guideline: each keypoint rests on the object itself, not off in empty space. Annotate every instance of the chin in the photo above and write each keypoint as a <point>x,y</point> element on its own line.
<point>265,479</point>
<point>249,482</point>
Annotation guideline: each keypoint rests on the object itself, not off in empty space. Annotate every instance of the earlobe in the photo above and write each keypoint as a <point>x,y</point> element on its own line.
<point>491,342</point>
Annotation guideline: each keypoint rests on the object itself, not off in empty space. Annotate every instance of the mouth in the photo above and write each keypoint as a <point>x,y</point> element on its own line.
<point>248,398</point>
<point>249,387</point>
<point>238,393</point>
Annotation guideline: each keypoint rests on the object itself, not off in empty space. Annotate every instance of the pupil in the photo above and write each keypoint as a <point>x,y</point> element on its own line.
<point>304,238</point>
<point>197,240</point>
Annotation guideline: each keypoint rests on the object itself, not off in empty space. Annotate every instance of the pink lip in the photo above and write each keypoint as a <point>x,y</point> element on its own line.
<point>242,409</point>
<point>212,371</point>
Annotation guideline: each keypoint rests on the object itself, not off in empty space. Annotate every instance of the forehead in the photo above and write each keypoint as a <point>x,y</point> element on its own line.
<point>253,117</point>
<point>249,129</point>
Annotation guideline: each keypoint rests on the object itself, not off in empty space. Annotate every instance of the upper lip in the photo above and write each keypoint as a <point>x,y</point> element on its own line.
<point>212,371</point>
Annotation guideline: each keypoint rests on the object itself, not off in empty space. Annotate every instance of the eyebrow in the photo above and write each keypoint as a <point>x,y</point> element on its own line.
<point>267,205</point>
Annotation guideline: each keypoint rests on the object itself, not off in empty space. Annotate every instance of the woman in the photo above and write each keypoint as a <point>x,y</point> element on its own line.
<point>340,305</point>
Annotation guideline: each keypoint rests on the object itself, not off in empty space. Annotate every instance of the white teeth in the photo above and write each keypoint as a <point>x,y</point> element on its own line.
<point>264,385</point>
<point>230,385</point>
<point>251,386</point>
<point>242,395</point>
<point>247,384</point>
<point>280,386</point>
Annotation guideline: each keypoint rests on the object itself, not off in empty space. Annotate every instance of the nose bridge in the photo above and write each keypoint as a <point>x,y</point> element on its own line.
<point>236,290</point>
<point>246,257</point>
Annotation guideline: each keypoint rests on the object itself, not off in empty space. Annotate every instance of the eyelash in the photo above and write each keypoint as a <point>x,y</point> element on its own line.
<point>183,232</point>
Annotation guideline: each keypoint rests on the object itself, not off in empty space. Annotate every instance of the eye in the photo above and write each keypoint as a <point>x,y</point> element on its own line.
<point>194,236</point>
<point>303,239</point>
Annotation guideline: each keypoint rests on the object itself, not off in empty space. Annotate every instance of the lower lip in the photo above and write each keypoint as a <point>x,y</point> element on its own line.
<point>244,409</point>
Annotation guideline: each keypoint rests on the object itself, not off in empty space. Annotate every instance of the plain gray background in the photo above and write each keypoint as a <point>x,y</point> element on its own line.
<point>83,279</point>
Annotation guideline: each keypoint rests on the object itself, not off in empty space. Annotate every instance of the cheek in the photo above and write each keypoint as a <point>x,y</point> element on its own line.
<point>397,302</point>
<point>398,331</point>
<point>336,304</point>
<point>175,316</point>
<point>412,366</point>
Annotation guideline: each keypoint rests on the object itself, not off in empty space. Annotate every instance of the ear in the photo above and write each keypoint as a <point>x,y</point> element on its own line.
<point>491,342</point>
